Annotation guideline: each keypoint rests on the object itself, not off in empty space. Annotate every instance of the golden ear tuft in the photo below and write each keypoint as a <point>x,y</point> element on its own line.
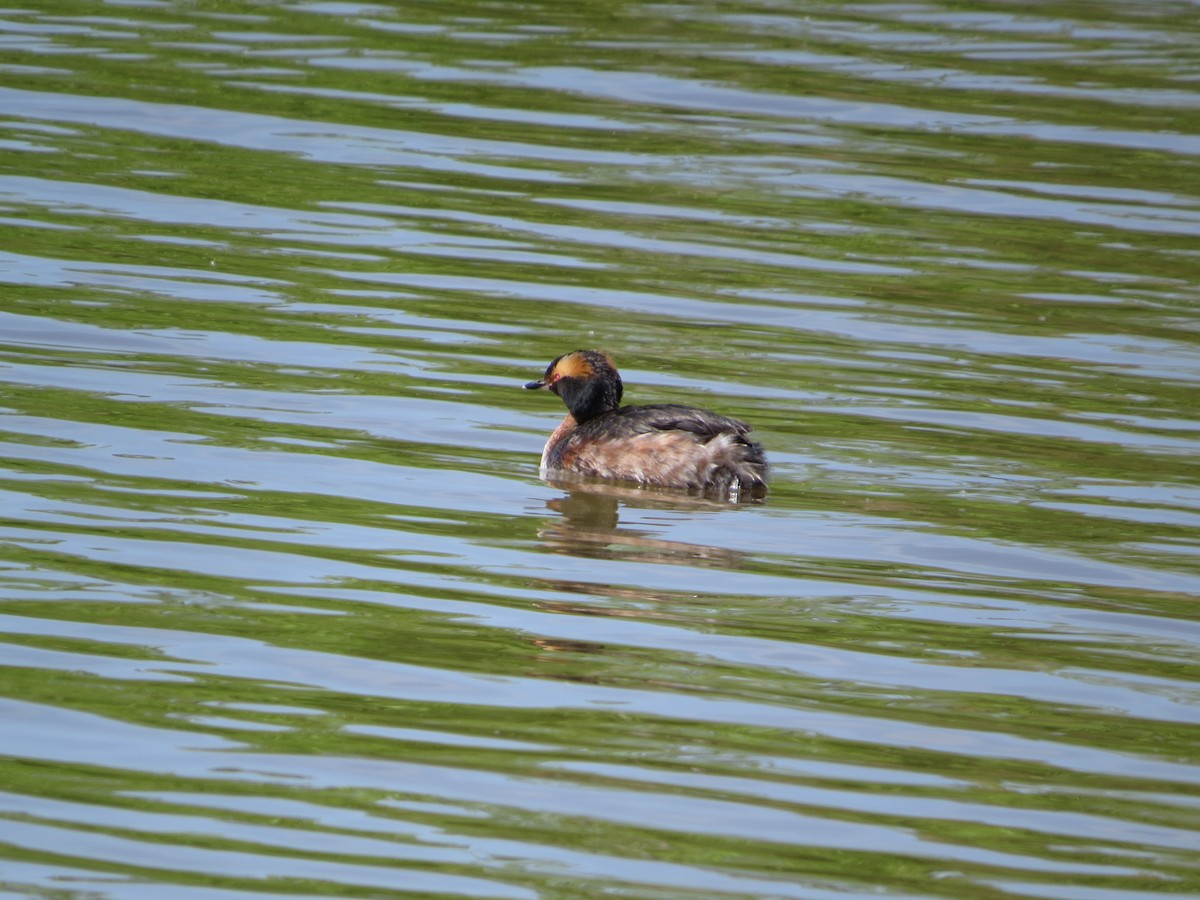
<point>574,365</point>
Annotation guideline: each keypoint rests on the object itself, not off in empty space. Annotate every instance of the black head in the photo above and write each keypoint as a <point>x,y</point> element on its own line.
<point>587,382</point>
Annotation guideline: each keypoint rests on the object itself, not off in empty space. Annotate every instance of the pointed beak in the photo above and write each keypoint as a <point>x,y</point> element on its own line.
<point>535,385</point>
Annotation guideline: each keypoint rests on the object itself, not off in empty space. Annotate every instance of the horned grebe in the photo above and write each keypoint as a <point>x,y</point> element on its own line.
<point>663,444</point>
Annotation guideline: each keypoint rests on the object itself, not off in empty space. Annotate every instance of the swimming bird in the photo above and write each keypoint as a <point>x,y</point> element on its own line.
<point>666,444</point>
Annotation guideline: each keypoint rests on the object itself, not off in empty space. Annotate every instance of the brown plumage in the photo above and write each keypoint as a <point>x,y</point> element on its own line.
<point>664,444</point>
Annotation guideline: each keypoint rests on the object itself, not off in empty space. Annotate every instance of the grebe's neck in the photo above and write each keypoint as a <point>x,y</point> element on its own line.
<point>565,427</point>
<point>587,398</point>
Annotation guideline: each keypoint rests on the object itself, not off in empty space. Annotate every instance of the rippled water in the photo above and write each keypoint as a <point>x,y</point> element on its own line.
<point>287,609</point>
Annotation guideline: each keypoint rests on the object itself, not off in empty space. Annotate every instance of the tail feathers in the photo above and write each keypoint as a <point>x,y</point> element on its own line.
<point>735,466</point>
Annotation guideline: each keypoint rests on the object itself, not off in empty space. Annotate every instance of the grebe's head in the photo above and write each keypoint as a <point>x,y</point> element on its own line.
<point>586,380</point>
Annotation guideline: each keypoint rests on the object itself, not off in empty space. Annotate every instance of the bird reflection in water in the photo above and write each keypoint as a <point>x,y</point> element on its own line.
<point>588,524</point>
